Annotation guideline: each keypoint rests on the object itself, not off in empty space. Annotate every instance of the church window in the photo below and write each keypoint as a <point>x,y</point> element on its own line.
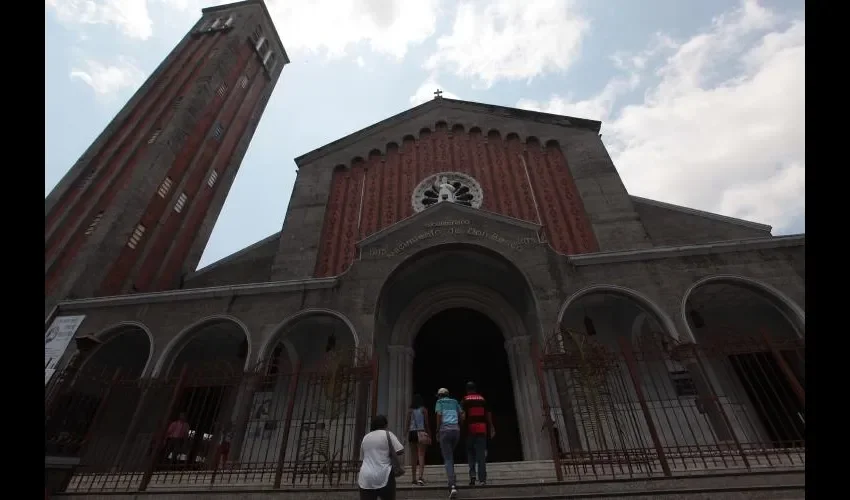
<point>222,89</point>
<point>263,47</point>
<point>181,202</point>
<point>450,187</point>
<point>683,383</point>
<point>228,22</point>
<point>165,187</point>
<point>154,136</point>
<point>212,179</point>
<point>214,52</point>
<point>215,24</point>
<point>136,236</point>
<point>243,82</point>
<point>177,101</point>
<point>258,34</point>
<point>219,131</point>
<point>94,223</point>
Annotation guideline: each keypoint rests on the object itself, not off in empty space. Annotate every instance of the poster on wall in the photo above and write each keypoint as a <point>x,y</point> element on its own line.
<point>56,340</point>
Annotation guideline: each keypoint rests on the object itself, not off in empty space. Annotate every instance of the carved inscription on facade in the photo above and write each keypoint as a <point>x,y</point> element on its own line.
<point>460,228</point>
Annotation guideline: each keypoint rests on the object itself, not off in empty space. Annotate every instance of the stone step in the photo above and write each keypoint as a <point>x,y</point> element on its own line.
<point>775,485</point>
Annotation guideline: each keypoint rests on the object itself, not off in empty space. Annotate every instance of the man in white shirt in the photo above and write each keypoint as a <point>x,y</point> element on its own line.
<point>375,478</point>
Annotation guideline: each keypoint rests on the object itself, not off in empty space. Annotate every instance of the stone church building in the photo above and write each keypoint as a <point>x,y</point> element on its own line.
<point>447,243</point>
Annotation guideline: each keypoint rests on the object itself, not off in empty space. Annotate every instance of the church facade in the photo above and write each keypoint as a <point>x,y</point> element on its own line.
<point>515,220</point>
<point>533,218</point>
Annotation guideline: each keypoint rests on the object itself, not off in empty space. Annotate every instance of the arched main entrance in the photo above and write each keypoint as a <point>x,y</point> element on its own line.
<point>459,345</point>
<point>447,277</point>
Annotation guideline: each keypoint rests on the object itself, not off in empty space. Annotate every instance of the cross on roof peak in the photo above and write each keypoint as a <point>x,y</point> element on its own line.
<point>438,94</point>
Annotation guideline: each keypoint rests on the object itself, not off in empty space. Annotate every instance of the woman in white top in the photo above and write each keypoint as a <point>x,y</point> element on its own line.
<point>375,478</point>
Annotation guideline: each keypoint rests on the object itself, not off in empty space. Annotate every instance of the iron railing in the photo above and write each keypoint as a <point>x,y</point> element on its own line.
<point>651,406</point>
<point>207,426</point>
<point>641,407</point>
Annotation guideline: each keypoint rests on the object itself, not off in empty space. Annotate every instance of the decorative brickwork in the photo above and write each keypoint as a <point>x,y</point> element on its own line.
<point>498,164</point>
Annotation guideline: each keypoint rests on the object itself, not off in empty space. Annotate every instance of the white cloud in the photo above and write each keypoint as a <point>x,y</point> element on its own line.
<point>510,39</point>
<point>596,108</point>
<point>129,16</point>
<point>389,27</point>
<point>425,92</point>
<point>107,80</point>
<point>724,128</point>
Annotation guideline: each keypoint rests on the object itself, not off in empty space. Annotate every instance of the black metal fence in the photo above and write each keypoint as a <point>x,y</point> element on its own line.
<point>655,407</point>
<point>287,428</point>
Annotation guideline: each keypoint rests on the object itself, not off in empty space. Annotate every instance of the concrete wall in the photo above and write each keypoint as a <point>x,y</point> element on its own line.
<point>553,279</point>
<point>252,265</point>
<point>667,227</point>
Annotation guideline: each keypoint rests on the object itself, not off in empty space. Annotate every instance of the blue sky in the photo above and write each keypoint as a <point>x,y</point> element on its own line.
<point>702,103</point>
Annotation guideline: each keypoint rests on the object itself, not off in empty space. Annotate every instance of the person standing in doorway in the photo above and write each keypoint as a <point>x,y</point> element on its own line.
<point>376,479</point>
<point>478,421</point>
<point>419,437</point>
<point>449,415</point>
<point>176,439</point>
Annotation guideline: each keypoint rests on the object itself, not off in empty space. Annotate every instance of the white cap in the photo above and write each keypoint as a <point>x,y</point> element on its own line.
<point>443,390</point>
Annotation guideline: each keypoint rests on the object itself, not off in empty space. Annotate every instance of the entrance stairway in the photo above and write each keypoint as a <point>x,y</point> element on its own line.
<point>506,481</point>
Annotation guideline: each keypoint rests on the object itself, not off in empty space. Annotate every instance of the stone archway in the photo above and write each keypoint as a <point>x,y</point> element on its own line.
<point>753,337</point>
<point>127,346</point>
<point>741,306</point>
<point>297,337</point>
<point>95,404</point>
<point>458,276</point>
<point>287,399</point>
<point>216,339</point>
<point>207,360</point>
<point>596,408</point>
<point>635,311</point>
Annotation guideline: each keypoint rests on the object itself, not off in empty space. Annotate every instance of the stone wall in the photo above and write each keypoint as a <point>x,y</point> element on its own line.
<point>667,226</point>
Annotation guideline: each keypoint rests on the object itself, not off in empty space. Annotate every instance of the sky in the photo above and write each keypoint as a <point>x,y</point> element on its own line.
<point>702,103</point>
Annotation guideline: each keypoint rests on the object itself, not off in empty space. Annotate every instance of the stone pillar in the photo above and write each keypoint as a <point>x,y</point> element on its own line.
<point>529,405</point>
<point>400,387</point>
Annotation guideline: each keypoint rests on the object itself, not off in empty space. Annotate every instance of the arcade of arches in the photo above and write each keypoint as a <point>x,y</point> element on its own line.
<point>736,326</point>
<point>472,320</point>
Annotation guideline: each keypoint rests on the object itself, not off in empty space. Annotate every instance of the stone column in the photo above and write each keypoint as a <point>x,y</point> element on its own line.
<point>529,405</point>
<point>400,387</point>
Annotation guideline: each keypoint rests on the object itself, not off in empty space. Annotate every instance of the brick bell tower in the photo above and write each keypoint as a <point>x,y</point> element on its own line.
<point>136,211</point>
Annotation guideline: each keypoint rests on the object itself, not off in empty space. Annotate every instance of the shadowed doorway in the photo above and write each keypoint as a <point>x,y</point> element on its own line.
<point>456,346</point>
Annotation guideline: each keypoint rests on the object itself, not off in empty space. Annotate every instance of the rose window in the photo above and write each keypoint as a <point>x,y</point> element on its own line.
<point>447,187</point>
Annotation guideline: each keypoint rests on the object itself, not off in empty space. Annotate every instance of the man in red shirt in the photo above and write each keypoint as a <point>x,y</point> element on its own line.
<point>479,425</point>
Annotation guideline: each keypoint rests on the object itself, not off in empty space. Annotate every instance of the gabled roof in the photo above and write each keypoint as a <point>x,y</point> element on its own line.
<point>234,256</point>
<point>702,213</point>
<point>447,209</point>
<point>442,102</point>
